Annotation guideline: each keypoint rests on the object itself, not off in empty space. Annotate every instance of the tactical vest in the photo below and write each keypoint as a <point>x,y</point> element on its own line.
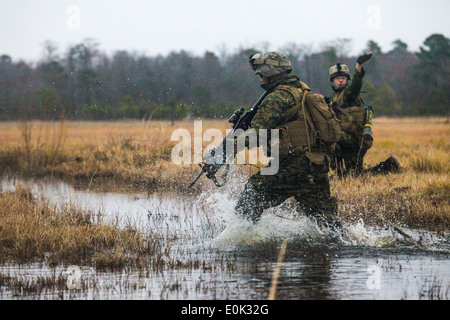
<point>351,117</point>
<point>304,131</point>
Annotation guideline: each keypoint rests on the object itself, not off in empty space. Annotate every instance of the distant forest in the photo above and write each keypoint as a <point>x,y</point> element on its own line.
<point>85,84</point>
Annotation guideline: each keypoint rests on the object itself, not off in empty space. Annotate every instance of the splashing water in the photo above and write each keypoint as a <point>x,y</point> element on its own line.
<point>287,222</point>
<point>279,223</point>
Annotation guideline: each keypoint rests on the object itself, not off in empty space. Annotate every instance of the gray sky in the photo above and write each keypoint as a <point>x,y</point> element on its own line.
<point>158,27</point>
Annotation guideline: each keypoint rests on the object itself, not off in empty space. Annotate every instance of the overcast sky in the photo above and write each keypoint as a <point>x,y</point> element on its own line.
<point>158,27</point>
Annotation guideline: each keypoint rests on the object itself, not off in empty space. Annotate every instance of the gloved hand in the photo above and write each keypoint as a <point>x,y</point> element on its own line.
<point>364,58</point>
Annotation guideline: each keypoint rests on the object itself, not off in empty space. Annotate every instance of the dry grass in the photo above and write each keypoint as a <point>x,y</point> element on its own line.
<point>418,197</point>
<point>419,200</point>
<point>131,153</point>
<point>137,154</point>
<point>420,144</point>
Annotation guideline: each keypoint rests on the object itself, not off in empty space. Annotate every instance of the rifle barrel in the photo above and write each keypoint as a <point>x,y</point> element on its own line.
<point>195,180</point>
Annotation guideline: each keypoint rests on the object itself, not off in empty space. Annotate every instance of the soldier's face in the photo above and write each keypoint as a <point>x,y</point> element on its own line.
<point>264,80</point>
<point>340,82</point>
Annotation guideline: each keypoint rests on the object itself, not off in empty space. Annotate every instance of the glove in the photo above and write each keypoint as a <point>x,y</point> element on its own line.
<point>364,58</point>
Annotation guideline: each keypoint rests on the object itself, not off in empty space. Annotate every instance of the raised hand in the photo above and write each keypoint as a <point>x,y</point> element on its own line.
<point>364,58</point>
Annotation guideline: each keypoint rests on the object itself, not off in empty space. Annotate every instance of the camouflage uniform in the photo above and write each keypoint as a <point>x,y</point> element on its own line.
<point>349,107</point>
<point>297,177</point>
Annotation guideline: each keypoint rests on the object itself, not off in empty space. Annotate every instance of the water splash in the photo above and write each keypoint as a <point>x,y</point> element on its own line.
<point>361,235</point>
<point>279,223</point>
<point>287,222</point>
<point>240,231</point>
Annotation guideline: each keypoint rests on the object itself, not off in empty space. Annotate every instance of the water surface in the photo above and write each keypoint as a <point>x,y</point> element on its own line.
<point>231,259</point>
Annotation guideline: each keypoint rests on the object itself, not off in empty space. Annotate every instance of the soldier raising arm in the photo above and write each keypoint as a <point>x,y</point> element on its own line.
<point>349,108</point>
<point>347,92</point>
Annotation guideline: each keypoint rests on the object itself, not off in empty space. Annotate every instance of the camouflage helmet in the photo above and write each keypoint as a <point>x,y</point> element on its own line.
<point>270,64</point>
<point>339,69</point>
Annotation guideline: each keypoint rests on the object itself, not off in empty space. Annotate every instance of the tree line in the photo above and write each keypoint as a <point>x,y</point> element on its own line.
<point>85,84</point>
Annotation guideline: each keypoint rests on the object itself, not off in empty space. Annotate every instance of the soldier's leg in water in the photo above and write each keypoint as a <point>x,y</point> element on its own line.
<point>257,196</point>
<point>323,210</point>
<point>316,201</point>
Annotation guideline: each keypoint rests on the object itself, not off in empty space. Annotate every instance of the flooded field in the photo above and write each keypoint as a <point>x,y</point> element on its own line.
<point>212,254</point>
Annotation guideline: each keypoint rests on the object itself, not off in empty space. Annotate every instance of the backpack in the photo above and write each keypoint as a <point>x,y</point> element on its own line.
<point>326,125</point>
<point>319,117</point>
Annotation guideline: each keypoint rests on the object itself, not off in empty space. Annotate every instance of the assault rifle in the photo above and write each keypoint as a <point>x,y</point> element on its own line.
<point>239,120</point>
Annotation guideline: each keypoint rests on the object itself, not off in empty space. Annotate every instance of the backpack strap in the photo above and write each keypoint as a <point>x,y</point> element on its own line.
<point>297,98</point>
<point>306,120</point>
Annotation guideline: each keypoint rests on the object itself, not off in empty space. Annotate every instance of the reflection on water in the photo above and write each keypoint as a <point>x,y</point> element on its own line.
<point>235,260</point>
<point>416,276</point>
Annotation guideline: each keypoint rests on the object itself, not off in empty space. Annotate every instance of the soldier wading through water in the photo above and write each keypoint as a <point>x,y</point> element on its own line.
<point>303,161</point>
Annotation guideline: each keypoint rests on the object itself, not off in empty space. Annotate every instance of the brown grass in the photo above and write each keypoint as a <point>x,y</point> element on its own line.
<point>131,153</point>
<point>418,197</point>
<point>419,200</point>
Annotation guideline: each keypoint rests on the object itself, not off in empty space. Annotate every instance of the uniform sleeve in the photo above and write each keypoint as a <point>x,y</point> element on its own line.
<point>353,90</point>
<point>271,112</point>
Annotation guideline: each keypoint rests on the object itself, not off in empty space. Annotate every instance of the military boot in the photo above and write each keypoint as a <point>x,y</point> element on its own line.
<point>391,164</point>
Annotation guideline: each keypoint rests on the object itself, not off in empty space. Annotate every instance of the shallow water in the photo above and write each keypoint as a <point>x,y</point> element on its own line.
<point>234,259</point>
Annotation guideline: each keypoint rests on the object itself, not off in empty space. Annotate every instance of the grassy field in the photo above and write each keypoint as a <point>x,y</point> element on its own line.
<point>418,197</point>
<point>132,155</point>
